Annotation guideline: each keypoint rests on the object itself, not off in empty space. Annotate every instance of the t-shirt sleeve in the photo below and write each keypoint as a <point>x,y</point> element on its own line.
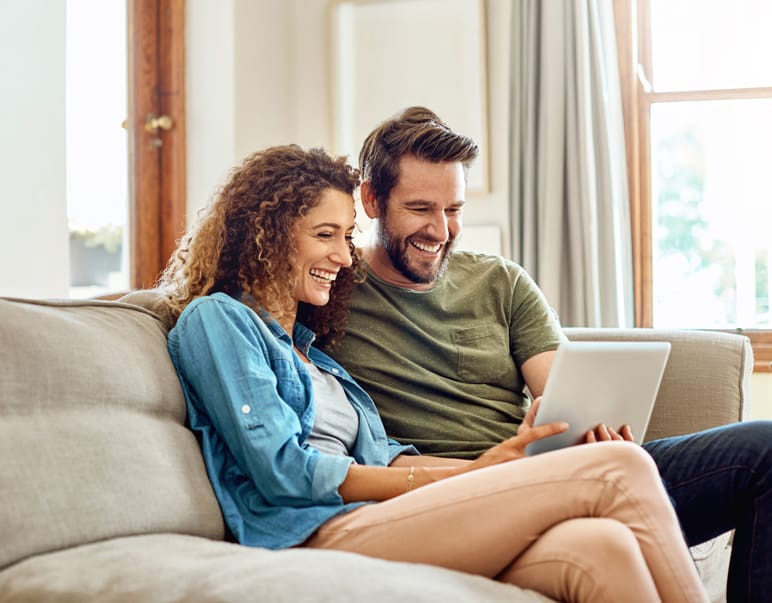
<point>534,326</point>
<point>222,362</point>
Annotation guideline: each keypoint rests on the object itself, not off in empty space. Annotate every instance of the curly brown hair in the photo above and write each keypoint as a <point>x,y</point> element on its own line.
<point>242,244</point>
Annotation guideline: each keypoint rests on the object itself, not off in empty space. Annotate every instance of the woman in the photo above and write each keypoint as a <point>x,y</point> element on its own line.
<point>296,451</point>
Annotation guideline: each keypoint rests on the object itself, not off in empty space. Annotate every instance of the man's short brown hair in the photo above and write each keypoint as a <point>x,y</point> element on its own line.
<point>417,132</point>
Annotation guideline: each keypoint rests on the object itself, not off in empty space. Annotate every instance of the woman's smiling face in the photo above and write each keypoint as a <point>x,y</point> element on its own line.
<point>322,239</point>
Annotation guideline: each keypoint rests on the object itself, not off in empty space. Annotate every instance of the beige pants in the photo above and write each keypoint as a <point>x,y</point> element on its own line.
<point>588,523</point>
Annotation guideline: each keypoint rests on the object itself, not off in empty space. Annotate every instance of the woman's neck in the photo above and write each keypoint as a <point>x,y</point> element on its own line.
<point>286,322</point>
<point>286,318</point>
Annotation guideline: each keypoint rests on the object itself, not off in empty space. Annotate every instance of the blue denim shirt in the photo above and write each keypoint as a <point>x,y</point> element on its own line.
<point>250,401</point>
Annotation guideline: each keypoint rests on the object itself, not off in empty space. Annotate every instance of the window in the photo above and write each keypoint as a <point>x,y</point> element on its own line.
<point>697,88</point>
<point>75,183</point>
<point>97,147</point>
<point>126,214</point>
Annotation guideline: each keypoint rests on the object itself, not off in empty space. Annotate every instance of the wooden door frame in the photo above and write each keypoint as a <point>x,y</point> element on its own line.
<point>156,72</point>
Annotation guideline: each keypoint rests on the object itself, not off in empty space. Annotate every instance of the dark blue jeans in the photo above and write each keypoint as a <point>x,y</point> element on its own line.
<point>721,479</point>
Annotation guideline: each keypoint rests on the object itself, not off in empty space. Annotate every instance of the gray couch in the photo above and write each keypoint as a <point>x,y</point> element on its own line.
<point>104,496</point>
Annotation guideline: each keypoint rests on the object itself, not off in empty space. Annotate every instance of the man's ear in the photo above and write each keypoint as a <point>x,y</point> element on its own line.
<point>369,203</point>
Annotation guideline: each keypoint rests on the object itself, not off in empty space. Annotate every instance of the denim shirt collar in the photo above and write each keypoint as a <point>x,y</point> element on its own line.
<point>302,336</point>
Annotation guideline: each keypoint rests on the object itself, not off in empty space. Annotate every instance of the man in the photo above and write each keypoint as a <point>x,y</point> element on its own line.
<point>446,342</point>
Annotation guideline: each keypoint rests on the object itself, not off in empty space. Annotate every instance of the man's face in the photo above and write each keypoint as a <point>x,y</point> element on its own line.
<point>423,218</point>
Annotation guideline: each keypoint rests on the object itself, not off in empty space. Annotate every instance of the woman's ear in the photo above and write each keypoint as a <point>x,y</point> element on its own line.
<point>369,202</point>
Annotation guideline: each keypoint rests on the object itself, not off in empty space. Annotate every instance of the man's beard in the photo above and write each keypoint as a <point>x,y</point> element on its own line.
<point>396,249</point>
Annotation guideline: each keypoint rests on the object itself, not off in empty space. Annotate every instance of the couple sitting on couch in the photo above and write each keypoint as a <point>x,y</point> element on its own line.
<point>297,452</point>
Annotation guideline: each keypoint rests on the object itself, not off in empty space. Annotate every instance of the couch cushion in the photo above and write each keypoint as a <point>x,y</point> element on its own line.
<point>184,569</point>
<point>92,431</point>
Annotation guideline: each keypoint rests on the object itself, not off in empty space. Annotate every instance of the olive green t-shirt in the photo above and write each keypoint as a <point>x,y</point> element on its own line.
<point>442,364</point>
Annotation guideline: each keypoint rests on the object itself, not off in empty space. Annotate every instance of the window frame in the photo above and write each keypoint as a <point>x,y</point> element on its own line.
<point>632,20</point>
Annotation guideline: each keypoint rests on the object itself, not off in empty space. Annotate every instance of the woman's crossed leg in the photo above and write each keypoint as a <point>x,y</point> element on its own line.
<point>533,522</point>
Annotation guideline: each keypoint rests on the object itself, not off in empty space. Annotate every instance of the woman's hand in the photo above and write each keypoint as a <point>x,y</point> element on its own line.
<point>514,448</point>
<point>530,417</point>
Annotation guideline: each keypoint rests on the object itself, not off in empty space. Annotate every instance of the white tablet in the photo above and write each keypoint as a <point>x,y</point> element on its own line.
<point>593,382</point>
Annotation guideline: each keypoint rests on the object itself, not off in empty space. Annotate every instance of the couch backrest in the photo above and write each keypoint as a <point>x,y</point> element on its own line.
<point>706,381</point>
<point>92,435</point>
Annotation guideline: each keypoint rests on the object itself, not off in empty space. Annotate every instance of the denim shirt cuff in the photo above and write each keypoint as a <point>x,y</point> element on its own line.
<point>329,473</point>
<point>395,449</point>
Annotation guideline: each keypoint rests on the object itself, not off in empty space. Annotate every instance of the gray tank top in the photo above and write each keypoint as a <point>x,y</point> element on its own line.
<point>336,423</point>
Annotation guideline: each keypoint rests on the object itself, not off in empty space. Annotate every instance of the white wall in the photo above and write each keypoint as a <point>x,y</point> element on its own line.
<point>210,107</point>
<point>34,245</point>
<point>261,75</point>
<point>761,396</point>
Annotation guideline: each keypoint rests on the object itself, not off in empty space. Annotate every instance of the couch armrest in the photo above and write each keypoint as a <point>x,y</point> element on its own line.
<point>706,381</point>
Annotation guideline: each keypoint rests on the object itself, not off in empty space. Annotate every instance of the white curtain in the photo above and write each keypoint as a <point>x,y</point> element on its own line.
<point>570,214</point>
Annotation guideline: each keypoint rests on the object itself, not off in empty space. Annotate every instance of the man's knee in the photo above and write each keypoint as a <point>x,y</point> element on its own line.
<point>756,434</point>
<point>747,442</point>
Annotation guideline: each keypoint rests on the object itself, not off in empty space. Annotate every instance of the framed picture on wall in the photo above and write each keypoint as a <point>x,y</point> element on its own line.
<point>387,55</point>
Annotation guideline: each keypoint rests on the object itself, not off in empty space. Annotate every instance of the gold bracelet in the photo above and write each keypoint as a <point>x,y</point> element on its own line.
<point>411,479</point>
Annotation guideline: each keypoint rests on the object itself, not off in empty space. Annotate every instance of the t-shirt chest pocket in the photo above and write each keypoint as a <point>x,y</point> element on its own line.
<point>483,353</point>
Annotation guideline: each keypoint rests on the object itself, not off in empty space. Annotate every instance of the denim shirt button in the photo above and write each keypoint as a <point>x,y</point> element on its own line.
<point>245,409</point>
<point>334,370</point>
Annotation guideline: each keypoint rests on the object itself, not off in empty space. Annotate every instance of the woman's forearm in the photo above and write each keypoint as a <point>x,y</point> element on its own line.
<point>425,460</point>
<point>364,482</point>
<point>405,473</point>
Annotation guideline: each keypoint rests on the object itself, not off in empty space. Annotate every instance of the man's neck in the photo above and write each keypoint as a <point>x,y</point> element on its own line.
<point>380,265</point>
